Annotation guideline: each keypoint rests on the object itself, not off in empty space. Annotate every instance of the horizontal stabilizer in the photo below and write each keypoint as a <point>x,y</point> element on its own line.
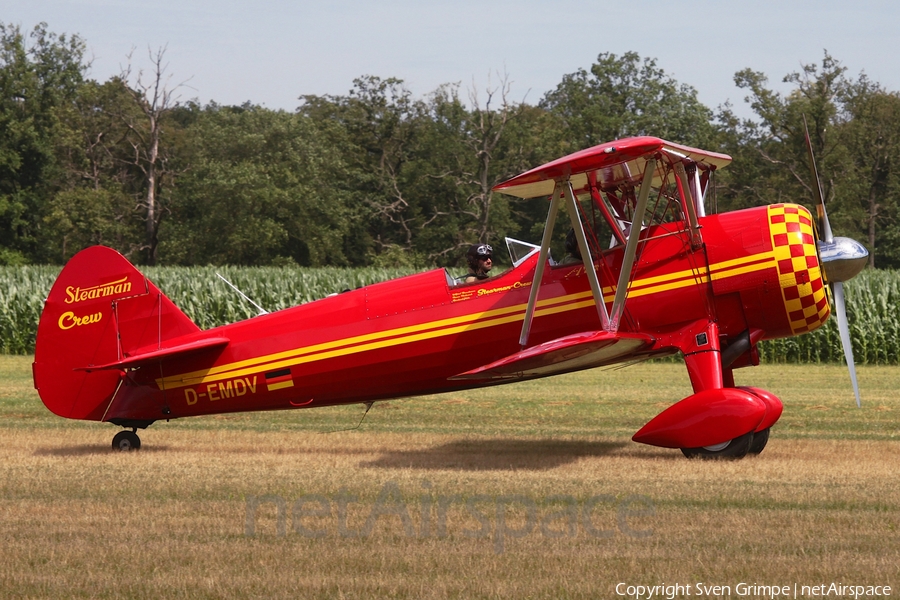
<point>140,359</point>
<point>570,353</point>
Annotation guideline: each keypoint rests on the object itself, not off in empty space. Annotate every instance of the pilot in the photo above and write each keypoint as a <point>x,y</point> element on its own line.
<point>480,258</point>
<point>573,253</point>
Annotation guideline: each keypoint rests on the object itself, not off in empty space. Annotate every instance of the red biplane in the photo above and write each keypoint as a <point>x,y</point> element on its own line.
<point>658,277</point>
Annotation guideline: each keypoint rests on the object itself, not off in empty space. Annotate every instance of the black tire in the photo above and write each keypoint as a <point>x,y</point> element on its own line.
<point>760,439</point>
<point>125,441</point>
<point>736,448</point>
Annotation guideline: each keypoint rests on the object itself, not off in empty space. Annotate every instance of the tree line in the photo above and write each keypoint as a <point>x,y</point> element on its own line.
<point>381,177</point>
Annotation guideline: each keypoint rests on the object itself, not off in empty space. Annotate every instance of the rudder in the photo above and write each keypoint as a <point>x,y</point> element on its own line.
<point>100,310</point>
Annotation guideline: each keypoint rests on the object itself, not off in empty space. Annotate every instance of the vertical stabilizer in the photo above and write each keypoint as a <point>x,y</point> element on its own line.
<point>99,310</point>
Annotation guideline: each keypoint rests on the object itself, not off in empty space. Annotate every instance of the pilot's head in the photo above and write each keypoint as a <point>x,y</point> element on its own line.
<point>480,258</point>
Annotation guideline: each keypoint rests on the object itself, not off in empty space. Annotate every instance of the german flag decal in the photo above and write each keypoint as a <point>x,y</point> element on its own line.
<point>278,380</point>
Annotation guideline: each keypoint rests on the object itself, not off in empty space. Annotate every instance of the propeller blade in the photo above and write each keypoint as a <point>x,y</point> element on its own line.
<point>824,225</point>
<point>842,259</point>
<point>844,328</point>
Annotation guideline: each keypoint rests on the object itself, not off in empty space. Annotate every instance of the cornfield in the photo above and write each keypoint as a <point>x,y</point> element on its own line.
<point>873,305</point>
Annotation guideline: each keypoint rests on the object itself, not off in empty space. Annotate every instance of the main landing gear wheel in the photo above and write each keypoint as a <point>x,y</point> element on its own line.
<point>760,439</point>
<point>736,448</point>
<point>125,441</point>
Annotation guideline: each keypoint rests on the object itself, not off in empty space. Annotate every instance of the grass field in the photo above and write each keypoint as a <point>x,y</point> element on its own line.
<point>532,490</point>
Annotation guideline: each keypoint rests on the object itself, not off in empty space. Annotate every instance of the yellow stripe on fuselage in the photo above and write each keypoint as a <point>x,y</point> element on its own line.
<point>688,277</point>
<point>372,341</point>
<point>461,324</point>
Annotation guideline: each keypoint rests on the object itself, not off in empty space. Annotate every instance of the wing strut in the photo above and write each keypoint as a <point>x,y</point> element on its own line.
<point>631,247</point>
<point>697,190</point>
<point>604,209</point>
<point>586,258</point>
<point>687,201</point>
<point>542,260</point>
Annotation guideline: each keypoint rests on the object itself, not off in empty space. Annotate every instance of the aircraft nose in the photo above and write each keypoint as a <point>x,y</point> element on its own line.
<point>842,258</point>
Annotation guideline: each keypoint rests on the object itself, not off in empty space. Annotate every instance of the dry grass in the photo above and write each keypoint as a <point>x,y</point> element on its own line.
<point>821,504</point>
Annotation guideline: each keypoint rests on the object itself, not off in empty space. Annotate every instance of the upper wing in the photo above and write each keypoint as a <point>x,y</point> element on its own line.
<point>570,353</point>
<point>613,163</point>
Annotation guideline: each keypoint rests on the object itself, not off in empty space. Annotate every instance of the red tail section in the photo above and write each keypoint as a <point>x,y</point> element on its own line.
<point>99,311</point>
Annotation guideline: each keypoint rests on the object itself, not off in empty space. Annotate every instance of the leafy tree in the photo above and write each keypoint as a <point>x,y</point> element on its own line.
<point>378,126</point>
<point>259,191</point>
<point>36,80</point>
<point>771,163</point>
<point>423,170</point>
<point>870,131</point>
<point>854,133</point>
<point>94,203</point>
<point>471,150</point>
<point>626,96</point>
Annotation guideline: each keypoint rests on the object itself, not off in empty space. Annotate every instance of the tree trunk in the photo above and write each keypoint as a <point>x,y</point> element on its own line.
<point>152,220</point>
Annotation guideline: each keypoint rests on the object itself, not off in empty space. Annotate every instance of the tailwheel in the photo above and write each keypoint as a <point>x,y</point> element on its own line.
<point>760,439</point>
<point>125,441</point>
<point>736,448</point>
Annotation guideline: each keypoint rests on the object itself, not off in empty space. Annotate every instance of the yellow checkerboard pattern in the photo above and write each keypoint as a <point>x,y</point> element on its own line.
<point>799,272</point>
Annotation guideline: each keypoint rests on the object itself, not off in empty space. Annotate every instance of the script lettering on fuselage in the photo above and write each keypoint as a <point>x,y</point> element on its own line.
<point>505,288</point>
<point>68,320</point>
<point>469,293</point>
<point>220,390</point>
<point>80,294</point>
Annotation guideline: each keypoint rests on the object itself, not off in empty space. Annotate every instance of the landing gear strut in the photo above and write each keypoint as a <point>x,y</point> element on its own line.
<point>126,440</point>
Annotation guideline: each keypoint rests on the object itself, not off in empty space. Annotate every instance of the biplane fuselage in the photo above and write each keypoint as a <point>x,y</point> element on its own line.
<point>112,347</point>
<point>409,336</point>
